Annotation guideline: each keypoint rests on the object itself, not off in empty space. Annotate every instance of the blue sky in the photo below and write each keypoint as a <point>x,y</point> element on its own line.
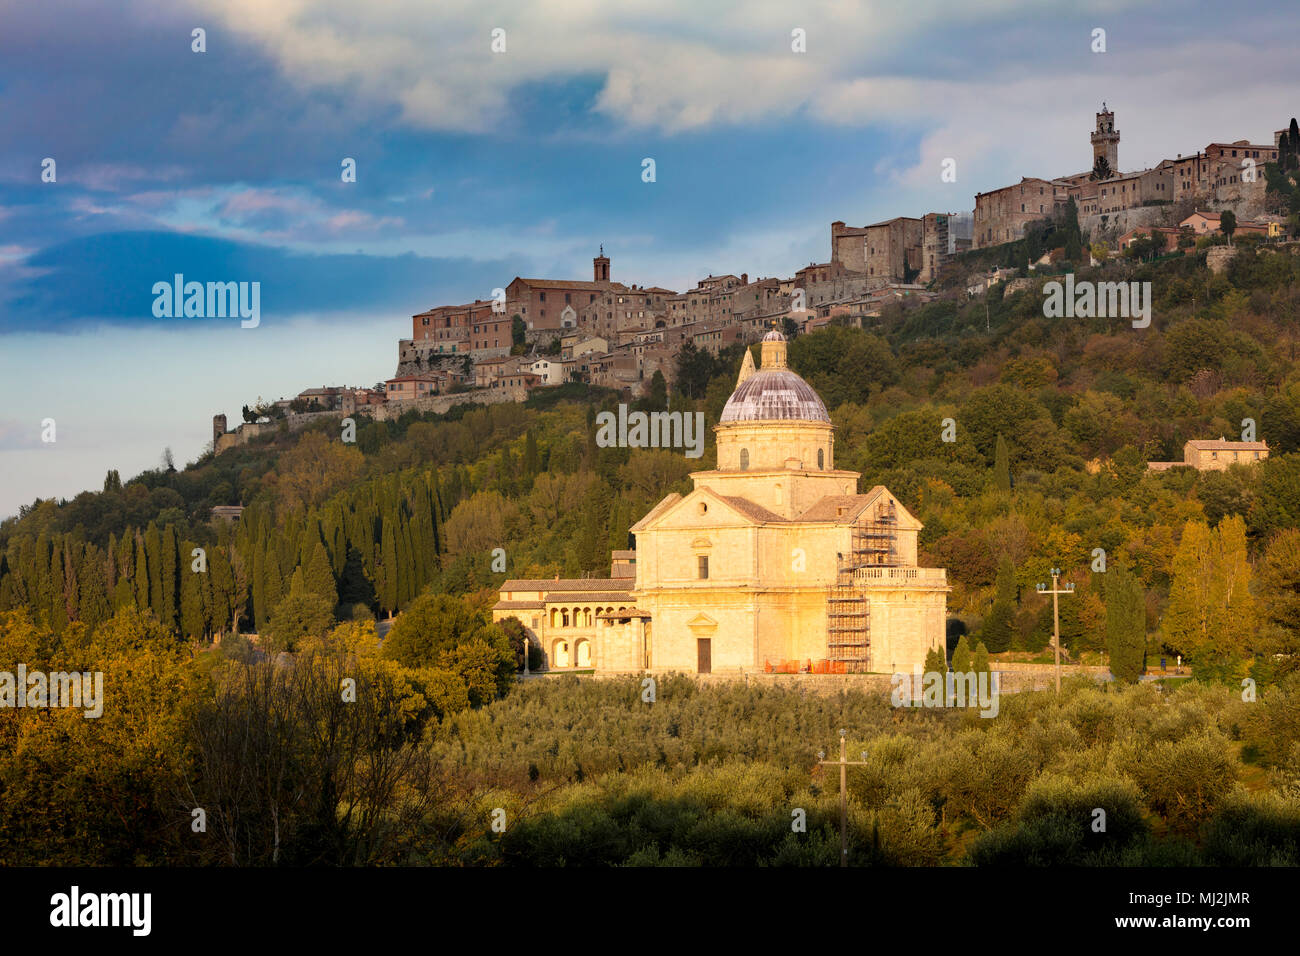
<point>474,167</point>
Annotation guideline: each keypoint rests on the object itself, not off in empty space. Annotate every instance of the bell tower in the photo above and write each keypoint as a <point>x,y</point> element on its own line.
<point>1105,139</point>
<point>600,266</point>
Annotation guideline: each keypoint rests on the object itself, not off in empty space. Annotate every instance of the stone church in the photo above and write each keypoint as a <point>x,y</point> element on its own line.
<point>774,557</point>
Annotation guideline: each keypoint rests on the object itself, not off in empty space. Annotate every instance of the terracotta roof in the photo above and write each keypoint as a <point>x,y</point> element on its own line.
<point>842,508</point>
<point>518,605</point>
<point>1211,444</point>
<point>751,509</point>
<point>564,584</point>
<point>583,284</point>
<point>628,553</point>
<point>622,595</point>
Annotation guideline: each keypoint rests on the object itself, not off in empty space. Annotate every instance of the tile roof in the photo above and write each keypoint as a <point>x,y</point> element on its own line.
<point>751,509</point>
<point>621,595</point>
<point>564,584</point>
<point>1211,444</point>
<point>583,284</point>
<point>829,508</point>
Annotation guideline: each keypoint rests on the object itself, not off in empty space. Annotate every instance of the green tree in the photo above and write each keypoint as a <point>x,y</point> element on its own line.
<point>432,624</point>
<point>485,663</point>
<point>980,659</point>
<point>961,656</point>
<point>1228,224</point>
<point>318,576</point>
<point>999,626</point>
<point>1002,465</point>
<point>1126,623</point>
<point>1211,612</point>
<point>300,615</point>
<point>934,662</point>
<point>1071,234</point>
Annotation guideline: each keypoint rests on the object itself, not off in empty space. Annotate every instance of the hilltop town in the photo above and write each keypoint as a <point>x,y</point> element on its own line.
<point>536,333</point>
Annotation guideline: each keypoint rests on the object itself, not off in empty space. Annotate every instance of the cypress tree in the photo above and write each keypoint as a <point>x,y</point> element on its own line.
<point>980,660</point>
<point>999,626</point>
<point>1002,465</point>
<point>406,564</point>
<point>961,658</point>
<point>170,578</point>
<point>139,571</point>
<point>94,603</point>
<point>259,588</point>
<point>123,593</point>
<point>1125,623</point>
<point>532,461</point>
<point>273,580</point>
<point>153,551</point>
<point>1186,624</point>
<point>319,576</point>
<point>387,572</point>
<point>192,583</point>
<point>71,589</point>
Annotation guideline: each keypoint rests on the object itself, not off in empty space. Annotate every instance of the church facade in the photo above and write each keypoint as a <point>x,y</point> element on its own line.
<point>773,557</point>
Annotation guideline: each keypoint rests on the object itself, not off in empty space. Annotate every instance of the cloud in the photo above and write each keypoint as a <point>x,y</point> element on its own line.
<point>110,277</point>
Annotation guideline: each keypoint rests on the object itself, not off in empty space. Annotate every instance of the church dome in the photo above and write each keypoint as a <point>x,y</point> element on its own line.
<point>774,394</point>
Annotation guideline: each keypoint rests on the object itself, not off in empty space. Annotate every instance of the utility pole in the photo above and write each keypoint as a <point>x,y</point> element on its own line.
<point>844,763</point>
<point>1056,618</point>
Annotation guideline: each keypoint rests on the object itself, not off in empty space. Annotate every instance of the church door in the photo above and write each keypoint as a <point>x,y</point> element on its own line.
<point>704,655</point>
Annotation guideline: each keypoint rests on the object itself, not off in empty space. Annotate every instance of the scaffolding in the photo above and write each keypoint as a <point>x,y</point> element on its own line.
<point>873,544</point>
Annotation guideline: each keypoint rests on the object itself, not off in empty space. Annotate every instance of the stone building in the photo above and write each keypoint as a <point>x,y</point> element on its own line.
<point>540,303</point>
<point>447,329</point>
<point>773,557</point>
<point>1002,214</point>
<point>1211,455</point>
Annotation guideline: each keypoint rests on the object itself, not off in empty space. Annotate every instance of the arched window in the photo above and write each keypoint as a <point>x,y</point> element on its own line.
<point>564,617</point>
<point>555,617</point>
<point>744,459</point>
<point>821,459</point>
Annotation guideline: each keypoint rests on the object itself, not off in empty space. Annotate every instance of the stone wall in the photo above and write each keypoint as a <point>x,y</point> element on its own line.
<point>1105,228</point>
<point>442,403</point>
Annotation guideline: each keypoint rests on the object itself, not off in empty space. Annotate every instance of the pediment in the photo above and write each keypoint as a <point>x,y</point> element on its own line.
<point>702,622</point>
<point>702,508</point>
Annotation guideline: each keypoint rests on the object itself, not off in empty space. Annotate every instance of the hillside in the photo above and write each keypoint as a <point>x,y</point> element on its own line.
<point>422,501</point>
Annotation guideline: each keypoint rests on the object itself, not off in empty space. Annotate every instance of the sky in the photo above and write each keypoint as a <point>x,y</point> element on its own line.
<point>476,165</point>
